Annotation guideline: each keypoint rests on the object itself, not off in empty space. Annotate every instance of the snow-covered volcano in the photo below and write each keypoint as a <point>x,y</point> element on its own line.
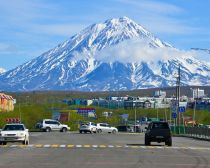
<point>118,54</point>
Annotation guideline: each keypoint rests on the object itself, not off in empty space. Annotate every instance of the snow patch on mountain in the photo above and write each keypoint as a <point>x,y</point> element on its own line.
<point>2,70</point>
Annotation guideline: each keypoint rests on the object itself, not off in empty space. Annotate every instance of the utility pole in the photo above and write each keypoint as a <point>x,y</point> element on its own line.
<point>178,97</point>
<point>135,118</point>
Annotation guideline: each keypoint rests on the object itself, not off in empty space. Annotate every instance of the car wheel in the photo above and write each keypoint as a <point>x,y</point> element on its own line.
<point>26,142</point>
<point>64,129</point>
<point>99,131</point>
<point>169,142</point>
<point>91,131</point>
<point>48,129</point>
<point>4,143</point>
<point>80,132</point>
<point>147,142</point>
<point>114,131</point>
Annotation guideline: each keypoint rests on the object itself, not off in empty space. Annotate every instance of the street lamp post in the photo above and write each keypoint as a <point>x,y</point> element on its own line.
<point>135,118</point>
<point>194,111</point>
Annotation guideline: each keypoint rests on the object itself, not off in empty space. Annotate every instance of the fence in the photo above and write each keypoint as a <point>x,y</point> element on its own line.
<point>194,132</point>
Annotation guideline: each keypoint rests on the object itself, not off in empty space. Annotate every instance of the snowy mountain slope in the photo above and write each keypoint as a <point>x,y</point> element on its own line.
<point>118,54</point>
<point>2,70</point>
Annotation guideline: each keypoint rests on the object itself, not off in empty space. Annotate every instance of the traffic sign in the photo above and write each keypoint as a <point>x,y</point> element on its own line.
<point>182,109</point>
<point>173,115</point>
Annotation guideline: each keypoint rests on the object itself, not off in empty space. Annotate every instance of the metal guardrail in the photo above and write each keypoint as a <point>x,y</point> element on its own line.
<point>198,132</point>
<point>194,132</point>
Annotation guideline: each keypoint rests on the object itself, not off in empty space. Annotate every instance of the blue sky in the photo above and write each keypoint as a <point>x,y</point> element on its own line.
<point>30,27</point>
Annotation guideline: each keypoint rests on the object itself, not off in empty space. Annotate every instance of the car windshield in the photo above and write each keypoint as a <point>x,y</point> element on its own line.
<point>160,126</point>
<point>13,127</point>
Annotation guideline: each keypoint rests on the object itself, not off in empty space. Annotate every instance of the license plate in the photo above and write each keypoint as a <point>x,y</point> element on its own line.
<point>159,136</point>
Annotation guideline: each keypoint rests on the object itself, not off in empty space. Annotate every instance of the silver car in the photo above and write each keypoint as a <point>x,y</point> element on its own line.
<point>104,127</point>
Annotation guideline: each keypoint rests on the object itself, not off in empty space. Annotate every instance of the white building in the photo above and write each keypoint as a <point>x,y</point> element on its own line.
<point>197,93</point>
<point>160,93</point>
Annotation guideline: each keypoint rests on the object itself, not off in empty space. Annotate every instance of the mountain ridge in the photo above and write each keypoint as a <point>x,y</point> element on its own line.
<point>98,58</point>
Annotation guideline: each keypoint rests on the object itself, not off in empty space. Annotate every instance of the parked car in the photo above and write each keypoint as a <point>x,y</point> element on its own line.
<point>14,133</point>
<point>52,125</point>
<point>104,127</point>
<point>158,131</point>
<point>88,127</point>
<point>125,128</point>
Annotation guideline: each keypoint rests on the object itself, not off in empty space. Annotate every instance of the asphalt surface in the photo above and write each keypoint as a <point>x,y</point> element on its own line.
<point>63,150</point>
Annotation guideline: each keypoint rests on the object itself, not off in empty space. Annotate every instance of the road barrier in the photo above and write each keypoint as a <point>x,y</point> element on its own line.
<point>194,132</point>
<point>198,132</point>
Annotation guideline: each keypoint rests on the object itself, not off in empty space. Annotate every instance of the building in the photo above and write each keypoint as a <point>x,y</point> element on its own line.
<point>197,93</point>
<point>160,94</point>
<point>137,102</point>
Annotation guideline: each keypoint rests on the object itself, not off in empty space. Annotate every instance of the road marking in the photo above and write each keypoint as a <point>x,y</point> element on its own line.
<point>38,145</point>
<point>102,146</point>
<point>136,147</point>
<point>86,146</point>
<point>13,146</point>
<point>55,146</point>
<point>62,146</point>
<point>31,146</point>
<point>118,146</point>
<point>159,147</point>
<point>110,146</point>
<point>46,146</point>
<point>70,146</point>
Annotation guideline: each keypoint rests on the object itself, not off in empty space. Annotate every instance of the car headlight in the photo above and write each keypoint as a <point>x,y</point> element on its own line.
<point>21,134</point>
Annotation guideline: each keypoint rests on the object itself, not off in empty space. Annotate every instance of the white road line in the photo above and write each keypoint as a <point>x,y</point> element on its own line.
<point>46,146</point>
<point>13,146</point>
<point>110,146</point>
<point>31,146</point>
<point>95,146</point>
<point>159,147</point>
<point>78,146</point>
<point>62,146</point>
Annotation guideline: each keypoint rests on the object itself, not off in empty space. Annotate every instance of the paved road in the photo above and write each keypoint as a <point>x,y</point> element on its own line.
<point>55,149</point>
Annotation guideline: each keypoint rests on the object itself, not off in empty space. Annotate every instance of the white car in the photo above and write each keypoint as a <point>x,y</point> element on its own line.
<point>104,127</point>
<point>52,125</point>
<point>14,133</point>
<point>88,127</point>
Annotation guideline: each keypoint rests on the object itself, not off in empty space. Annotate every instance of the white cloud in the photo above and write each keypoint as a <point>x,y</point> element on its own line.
<point>153,6</point>
<point>7,48</point>
<point>135,51</point>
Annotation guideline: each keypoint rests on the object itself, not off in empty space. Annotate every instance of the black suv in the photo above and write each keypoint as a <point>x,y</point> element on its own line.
<point>158,131</point>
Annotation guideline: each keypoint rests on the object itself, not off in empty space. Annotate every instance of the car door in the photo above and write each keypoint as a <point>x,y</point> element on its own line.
<point>56,125</point>
<point>103,127</point>
<point>109,129</point>
<point>106,128</point>
<point>93,125</point>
